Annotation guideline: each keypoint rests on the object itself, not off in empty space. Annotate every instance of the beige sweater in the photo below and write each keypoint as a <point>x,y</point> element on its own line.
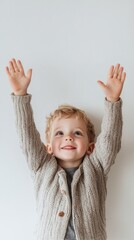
<point>89,182</point>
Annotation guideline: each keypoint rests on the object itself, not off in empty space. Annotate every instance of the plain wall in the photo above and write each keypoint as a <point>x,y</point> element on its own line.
<point>70,44</point>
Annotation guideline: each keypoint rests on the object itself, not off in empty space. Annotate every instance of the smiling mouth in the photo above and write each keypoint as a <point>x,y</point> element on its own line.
<point>68,147</point>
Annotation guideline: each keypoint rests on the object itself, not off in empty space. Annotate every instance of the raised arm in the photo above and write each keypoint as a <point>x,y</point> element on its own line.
<point>109,140</point>
<point>29,137</point>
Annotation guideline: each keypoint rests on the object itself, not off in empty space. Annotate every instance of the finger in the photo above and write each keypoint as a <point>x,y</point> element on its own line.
<point>102,85</point>
<point>11,67</point>
<point>29,74</point>
<point>15,65</point>
<point>116,70</point>
<point>111,71</point>
<point>123,77</point>
<point>120,73</point>
<point>20,66</point>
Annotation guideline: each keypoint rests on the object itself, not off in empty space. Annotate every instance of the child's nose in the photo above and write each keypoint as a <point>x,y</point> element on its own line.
<point>69,138</point>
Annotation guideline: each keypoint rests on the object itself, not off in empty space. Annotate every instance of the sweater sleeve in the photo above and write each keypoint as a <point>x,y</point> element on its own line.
<point>29,137</point>
<point>108,142</point>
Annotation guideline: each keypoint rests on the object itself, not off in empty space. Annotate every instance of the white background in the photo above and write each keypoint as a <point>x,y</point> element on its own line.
<point>70,44</point>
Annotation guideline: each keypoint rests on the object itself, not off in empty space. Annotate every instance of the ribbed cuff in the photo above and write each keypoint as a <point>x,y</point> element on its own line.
<point>113,105</point>
<point>21,99</point>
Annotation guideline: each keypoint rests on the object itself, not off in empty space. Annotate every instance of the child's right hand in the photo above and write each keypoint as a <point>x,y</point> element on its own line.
<point>19,81</point>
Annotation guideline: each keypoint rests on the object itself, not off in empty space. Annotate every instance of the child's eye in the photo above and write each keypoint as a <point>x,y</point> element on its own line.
<point>78,133</point>
<point>59,133</point>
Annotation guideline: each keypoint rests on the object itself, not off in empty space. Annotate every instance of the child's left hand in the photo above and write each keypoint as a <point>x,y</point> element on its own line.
<point>114,85</point>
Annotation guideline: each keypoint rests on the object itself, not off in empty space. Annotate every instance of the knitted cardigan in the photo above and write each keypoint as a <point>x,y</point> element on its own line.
<point>89,181</point>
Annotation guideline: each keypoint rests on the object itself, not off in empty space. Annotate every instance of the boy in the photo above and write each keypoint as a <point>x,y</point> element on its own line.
<point>70,173</point>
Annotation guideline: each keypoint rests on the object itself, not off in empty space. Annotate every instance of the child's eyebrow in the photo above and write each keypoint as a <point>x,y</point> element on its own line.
<point>74,129</point>
<point>78,128</point>
<point>58,128</point>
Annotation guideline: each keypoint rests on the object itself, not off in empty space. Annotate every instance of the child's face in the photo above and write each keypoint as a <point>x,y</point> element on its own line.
<point>69,141</point>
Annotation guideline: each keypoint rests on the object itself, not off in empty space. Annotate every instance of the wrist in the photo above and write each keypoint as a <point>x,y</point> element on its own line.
<point>112,99</point>
<point>20,93</point>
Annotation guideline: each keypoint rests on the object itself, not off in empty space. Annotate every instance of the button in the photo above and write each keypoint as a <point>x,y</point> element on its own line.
<point>61,214</point>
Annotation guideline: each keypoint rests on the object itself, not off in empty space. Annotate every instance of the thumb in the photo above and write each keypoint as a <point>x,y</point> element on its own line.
<point>29,74</point>
<point>102,85</point>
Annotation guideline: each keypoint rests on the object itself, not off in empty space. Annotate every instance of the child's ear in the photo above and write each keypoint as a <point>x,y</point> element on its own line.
<point>90,148</point>
<point>49,148</point>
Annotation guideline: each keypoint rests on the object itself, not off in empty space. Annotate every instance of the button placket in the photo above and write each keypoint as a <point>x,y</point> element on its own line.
<point>64,191</point>
<point>63,184</point>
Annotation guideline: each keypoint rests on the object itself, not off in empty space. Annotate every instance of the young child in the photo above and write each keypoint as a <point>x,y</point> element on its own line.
<point>70,173</point>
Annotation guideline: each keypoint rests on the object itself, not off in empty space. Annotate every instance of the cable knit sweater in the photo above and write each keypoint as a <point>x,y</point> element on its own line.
<point>89,181</point>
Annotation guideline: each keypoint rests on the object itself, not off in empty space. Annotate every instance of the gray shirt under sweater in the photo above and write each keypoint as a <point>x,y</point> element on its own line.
<point>70,234</point>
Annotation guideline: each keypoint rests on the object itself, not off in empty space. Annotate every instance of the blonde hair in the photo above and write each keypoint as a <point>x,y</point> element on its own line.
<point>68,111</point>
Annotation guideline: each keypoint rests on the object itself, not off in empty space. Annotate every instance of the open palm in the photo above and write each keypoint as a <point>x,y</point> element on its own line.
<point>115,81</point>
<point>19,81</point>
